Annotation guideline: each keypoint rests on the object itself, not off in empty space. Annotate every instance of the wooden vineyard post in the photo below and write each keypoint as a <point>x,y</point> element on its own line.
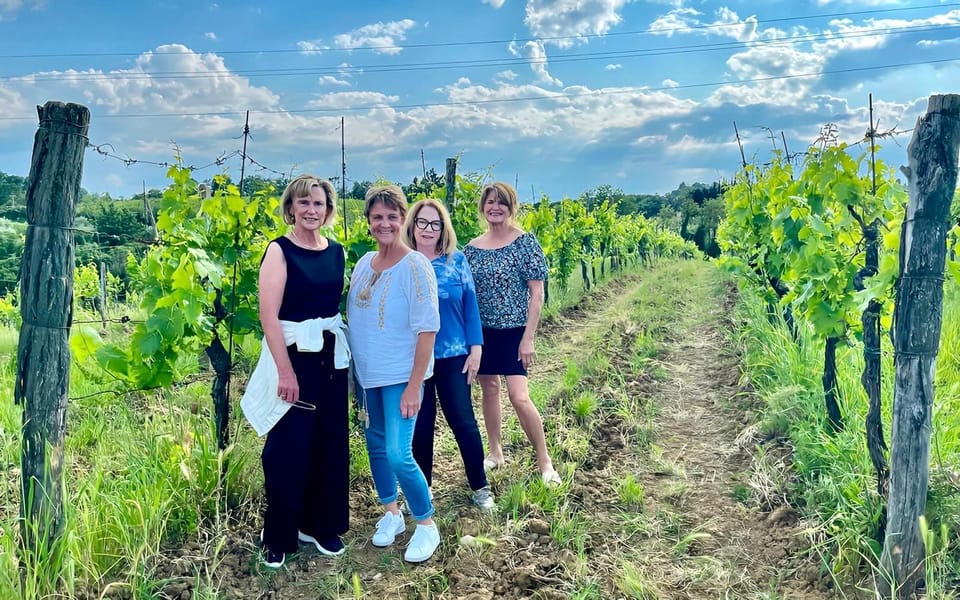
<point>46,306</point>
<point>451,181</point>
<point>931,176</point>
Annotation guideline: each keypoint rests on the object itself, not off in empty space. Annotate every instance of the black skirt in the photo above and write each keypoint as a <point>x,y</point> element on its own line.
<point>501,348</point>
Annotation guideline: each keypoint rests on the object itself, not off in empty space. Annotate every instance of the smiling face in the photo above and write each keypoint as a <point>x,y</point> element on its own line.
<point>495,209</point>
<point>385,223</point>
<point>424,225</point>
<point>309,212</point>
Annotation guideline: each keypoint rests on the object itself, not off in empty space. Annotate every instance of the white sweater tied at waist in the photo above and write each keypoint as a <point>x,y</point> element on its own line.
<point>260,403</point>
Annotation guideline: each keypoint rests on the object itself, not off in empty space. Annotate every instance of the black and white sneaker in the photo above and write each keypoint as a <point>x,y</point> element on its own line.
<point>328,547</point>
<point>268,557</point>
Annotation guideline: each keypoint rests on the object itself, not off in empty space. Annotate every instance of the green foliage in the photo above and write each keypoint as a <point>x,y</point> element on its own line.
<point>199,283</point>
<point>806,232</point>
<point>12,236</point>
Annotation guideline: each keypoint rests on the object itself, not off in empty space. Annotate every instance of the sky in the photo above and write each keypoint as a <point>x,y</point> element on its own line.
<point>554,96</point>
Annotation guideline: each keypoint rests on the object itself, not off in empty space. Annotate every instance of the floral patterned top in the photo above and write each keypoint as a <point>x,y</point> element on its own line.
<point>386,312</point>
<point>459,315</point>
<point>501,276</point>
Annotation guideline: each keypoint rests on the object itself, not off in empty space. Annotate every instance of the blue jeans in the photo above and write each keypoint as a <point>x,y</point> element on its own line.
<point>449,385</point>
<point>389,441</point>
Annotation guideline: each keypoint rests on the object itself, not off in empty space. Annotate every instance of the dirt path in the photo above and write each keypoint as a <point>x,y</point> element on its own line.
<point>650,431</point>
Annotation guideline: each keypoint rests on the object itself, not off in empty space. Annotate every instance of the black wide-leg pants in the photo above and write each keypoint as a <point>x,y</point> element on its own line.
<point>306,457</point>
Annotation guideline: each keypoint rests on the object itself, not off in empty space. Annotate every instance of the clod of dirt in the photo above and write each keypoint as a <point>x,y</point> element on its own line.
<point>784,514</point>
<point>538,527</point>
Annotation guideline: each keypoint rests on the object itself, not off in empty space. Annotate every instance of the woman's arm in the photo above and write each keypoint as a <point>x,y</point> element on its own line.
<point>525,353</point>
<point>424,319</point>
<point>272,281</point>
<point>410,400</point>
<point>471,320</point>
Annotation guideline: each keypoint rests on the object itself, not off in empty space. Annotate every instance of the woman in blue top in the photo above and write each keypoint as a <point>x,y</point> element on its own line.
<point>509,268</point>
<point>456,351</point>
<point>393,317</point>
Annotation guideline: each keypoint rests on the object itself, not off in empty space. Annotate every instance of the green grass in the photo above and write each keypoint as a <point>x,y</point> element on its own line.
<point>831,477</point>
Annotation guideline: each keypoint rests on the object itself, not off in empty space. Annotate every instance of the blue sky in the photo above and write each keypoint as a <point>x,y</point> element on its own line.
<point>559,96</point>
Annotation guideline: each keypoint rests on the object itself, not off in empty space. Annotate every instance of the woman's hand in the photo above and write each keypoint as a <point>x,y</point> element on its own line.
<point>525,353</point>
<point>410,402</point>
<point>288,389</point>
<point>472,365</point>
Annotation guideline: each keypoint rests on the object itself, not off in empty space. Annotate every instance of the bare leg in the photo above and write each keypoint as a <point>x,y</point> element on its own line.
<point>492,415</point>
<point>530,420</point>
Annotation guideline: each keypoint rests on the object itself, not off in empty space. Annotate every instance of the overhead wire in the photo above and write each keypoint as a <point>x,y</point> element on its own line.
<point>479,63</point>
<point>564,95</point>
<point>558,38</point>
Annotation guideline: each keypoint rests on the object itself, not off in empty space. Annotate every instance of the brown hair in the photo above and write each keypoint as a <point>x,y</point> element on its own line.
<point>447,242</point>
<point>301,187</point>
<point>506,195</point>
<point>390,196</point>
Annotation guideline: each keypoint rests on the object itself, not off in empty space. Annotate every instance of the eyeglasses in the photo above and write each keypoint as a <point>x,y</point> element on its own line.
<point>423,224</point>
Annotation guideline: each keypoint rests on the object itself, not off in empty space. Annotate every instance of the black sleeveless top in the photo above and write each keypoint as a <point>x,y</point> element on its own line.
<point>314,281</point>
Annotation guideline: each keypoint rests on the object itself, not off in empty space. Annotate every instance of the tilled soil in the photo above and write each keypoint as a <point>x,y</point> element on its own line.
<point>685,438</point>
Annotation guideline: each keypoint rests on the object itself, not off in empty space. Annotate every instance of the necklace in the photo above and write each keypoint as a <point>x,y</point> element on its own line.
<point>293,232</point>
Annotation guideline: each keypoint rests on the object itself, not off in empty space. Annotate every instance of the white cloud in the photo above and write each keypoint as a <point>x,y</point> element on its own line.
<point>725,24</point>
<point>536,54</point>
<point>331,80</point>
<point>613,67</point>
<point>858,2</point>
<point>935,43</point>
<point>538,62</point>
<point>669,83</point>
<point>208,86</point>
<point>311,48</point>
<point>210,35</point>
<point>508,75</point>
<point>382,37</point>
<point>782,64</point>
<point>353,100</point>
<point>14,103</point>
<point>524,111</point>
<point>571,19</point>
<point>9,8</point>
<point>494,3</point>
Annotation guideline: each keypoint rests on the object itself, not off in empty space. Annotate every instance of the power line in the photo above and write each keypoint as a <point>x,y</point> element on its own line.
<point>480,63</point>
<point>533,98</point>
<point>586,36</point>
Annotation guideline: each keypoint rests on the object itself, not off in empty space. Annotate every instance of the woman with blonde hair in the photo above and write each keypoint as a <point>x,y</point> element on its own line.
<point>304,365</point>
<point>509,268</point>
<point>457,350</point>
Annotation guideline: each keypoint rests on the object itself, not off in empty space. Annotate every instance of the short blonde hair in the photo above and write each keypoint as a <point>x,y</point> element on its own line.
<point>301,187</point>
<point>390,196</point>
<point>447,242</point>
<point>506,195</point>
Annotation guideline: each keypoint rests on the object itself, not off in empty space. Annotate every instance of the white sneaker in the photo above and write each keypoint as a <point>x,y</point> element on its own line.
<point>483,498</point>
<point>388,528</point>
<point>423,544</point>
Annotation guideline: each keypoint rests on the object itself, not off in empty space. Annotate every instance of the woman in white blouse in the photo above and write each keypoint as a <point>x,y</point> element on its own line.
<point>393,316</point>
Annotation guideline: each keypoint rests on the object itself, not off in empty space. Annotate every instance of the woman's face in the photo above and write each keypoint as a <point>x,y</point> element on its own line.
<point>427,227</point>
<point>385,223</point>
<point>310,211</point>
<point>495,211</point>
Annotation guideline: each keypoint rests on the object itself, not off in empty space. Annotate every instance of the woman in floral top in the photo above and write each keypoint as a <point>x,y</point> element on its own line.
<point>509,269</point>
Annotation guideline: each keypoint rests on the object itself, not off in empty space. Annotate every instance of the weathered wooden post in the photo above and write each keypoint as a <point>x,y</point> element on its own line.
<point>931,176</point>
<point>451,181</point>
<point>46,288</point>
